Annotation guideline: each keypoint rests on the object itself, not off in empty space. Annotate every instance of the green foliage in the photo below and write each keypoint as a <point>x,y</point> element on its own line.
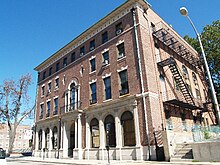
<point>206,134</point>
<point>210,37</point>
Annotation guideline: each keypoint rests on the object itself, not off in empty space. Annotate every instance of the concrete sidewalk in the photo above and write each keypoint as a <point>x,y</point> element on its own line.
<point>103,162</point>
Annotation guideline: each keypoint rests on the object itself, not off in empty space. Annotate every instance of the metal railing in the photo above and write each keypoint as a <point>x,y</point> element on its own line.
<point>71,107</point>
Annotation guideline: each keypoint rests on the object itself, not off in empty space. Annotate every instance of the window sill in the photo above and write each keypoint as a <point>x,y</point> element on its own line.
<point>93,72</point>
<point>121,59</point>
<point>107,100</point>
<point>124,95</point>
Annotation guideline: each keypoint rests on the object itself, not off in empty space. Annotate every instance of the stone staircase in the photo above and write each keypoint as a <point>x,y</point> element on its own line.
<point>183,152</point>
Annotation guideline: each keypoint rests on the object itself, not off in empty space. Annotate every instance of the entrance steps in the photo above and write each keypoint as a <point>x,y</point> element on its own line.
<point>183,153</point>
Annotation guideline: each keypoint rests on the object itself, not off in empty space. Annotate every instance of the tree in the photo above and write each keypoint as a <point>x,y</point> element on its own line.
<point>14,102</point>
<point>210,37</point>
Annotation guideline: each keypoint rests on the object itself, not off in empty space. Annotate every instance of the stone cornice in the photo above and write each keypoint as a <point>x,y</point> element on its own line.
<point>92,31</point>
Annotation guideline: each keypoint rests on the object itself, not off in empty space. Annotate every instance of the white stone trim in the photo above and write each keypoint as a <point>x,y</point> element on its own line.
<point>55,97</point>
<point>41,103</point>
<point>150,94</point>
<point>92,57</point>
<point>48,100</point>
<point>106,75</point>
<point>119,42</point>
<point>56,77</point>
<point>92,81</point>
<point>49,81</point>
<point>43,85</point>
<point>105,50</point>
<point>122,68</point>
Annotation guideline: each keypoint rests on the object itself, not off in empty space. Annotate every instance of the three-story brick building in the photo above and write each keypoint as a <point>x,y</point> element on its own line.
<point>116,84</point>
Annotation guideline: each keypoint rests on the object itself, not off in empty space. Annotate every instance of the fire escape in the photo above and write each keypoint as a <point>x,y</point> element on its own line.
<point>168,40</point>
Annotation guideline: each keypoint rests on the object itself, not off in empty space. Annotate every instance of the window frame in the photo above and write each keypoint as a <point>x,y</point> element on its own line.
<point>92,65</point>
<point>107,89</point>
<point>92,45</point>
<point>124,86</point>
<point>93,97</point>
<point>120,51</point>
<point>105,37</point>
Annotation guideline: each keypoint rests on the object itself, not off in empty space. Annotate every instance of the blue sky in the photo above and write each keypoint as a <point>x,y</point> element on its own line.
<point>32,30</point>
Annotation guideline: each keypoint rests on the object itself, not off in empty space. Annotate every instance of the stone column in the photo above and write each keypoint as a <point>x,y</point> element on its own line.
<point>43,143</point>
<point>102,138</point>
<point>118,133</point>
<point>79,137</point>
<point>139,153</point>
<point>88,138</point>
<point>50,141</point>
<point>36,141</point>
<point>76,134</point>
<point>65,141</point>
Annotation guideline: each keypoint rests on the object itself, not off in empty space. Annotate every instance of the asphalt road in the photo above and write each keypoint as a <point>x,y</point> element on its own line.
<point>22,162</point>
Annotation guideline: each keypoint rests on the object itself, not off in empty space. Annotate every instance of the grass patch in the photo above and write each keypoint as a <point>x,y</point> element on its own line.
<point>195,160</point>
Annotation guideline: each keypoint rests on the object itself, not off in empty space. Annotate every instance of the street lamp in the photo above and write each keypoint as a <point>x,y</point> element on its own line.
<point>184,12</point>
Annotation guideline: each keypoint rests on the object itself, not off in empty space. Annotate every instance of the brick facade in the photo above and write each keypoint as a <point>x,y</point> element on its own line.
<point>145,92</point>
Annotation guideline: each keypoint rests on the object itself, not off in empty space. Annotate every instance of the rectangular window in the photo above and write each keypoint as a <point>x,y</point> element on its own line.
<point>49,87</point>
<point>55,106</point>
<point>93,93</point>
<point>50,71</point>
<point>118,29</point>
<point>104,37</point>
<point>121,50</point>
<point>42,90</point>
<point>105,56</point>
<point>107,84</point>
<point>48,108</point>
<point>82,50</point>
<point>41,111</point>
<point>73,57</point>
<point>93,65</point>
<point>64,62</point>
<point>198,95</point>
<point>92,45</point>
<point>56,83</point>
<point>124,82</point>
<point>57,67</point>
<point>44,75</point>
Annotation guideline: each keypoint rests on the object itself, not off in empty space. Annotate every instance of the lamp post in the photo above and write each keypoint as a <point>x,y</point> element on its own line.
<point>184,12</point>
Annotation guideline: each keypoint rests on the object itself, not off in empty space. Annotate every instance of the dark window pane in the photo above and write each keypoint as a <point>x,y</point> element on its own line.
<point>92,45</point>
<point>82,51</point>
<point>107,83</point>
<point>64,62</point>
<point>118,28</point>
<point>105,37</point>
<point>121,50</point>
<point>50,71</point>
<point>93,65</point>
<point>73,57</point>
<point>57,66</point>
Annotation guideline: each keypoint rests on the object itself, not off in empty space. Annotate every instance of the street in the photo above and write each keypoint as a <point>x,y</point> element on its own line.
<point>22,162</point>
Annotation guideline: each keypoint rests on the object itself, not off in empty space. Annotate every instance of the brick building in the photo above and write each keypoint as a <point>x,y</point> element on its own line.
<point>119,84</point>
<point>23,135</point>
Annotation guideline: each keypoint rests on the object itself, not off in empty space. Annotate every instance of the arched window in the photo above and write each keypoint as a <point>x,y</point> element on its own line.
<point>47,138</point>
<point>40,140</point>
<point>127,122</point>
<point>72,101</point>
<point>186,77</point>
<point>110,131</point>
<point>73,96</point>
<point>54,137</point>
<point>94,128</point>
